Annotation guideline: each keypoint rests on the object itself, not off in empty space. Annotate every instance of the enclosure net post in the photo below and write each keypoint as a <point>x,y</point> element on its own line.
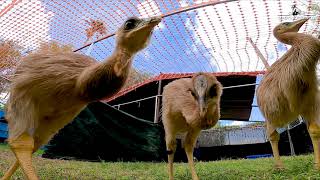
<point>259,54</point>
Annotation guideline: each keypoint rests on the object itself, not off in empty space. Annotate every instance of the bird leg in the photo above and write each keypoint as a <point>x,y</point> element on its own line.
<point>16,164</point>
<point>10,171</point>
<point>314,132</point>
<point>171,149</point>
<point>274,138</point>
<point>23,147</point>
<point>190,141</point>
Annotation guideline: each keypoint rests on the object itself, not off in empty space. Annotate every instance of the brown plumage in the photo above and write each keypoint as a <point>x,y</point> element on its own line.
<point>289,88</point>
<point>189,105</point>
<point>49,90</point>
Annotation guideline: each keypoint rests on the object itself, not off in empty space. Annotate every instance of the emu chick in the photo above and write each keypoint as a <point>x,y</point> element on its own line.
<point>189,105</point>
<point>290,87</point>
<point>49,90</point>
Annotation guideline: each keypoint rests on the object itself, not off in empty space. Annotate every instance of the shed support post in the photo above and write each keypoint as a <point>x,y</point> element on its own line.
<point>291,143</point>
<point>157,103</point>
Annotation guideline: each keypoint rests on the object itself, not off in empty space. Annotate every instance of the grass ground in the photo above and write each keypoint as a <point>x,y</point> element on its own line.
<point>299,167</point>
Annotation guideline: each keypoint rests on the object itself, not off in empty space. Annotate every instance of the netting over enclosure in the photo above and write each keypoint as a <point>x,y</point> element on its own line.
<point>221,36</point>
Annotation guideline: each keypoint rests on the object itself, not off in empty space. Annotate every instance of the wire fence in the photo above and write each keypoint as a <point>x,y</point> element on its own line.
<point>200,35</point>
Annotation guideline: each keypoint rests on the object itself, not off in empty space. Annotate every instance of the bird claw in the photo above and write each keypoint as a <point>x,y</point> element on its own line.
<point>279,167</point>
<point>317,166</point>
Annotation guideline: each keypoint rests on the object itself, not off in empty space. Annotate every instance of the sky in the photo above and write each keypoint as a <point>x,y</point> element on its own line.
<point>211,39</point>
<point>31,23</point>
<point>200,40</point>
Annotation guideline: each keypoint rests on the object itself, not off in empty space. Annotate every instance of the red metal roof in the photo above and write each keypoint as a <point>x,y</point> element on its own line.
<point>176,76</point>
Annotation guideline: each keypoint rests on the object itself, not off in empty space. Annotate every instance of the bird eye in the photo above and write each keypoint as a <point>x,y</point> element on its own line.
<point>286,23</point>
<point>213,91</point>
<point>130,24</point>
<point>192,93</point>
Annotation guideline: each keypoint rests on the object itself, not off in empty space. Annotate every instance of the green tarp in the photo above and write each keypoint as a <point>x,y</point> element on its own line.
<point>101,132</point>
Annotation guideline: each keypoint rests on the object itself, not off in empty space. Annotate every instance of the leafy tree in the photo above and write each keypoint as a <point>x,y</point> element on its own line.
<point>10,54</point>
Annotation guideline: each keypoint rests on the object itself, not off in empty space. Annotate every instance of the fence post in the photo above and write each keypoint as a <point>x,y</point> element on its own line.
<point>290,142</point>
<point>157,103</point>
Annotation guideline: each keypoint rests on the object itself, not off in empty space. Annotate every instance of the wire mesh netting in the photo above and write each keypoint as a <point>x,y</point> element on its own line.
<point>212,36</point>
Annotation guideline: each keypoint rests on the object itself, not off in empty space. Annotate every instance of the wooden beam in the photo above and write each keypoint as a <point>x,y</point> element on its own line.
<point>258,52</point>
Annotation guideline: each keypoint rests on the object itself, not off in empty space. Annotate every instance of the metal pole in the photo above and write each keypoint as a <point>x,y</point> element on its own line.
<point>159,94</point>
<point>157,104</point>
<point>135,101</point>
<point>242,85</point>
<point>290,142</point>
<point>155,110</point>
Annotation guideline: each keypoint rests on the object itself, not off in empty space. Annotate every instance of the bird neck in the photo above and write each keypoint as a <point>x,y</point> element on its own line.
<point>289,38</point>
<point>103,80</point>
<point>302,57</point>
<point>121,59</point>
<point>211,116</point>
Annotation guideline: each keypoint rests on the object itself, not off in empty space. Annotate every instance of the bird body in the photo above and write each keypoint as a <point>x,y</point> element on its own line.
<point>289,87</point>
<point>49,90</point>
<point>184,110</point>
<point>189,105</point>
<point>53,77</point>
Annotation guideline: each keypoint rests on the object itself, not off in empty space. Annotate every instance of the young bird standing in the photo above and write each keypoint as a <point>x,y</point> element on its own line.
<point>49,90</point>
<point>290,87</point>
<point>189,105</point>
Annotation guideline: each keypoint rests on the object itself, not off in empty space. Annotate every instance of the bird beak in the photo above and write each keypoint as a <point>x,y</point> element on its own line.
<point>202,106</point>
<point>152,22</point>
<point>155,20</point>
<point>297,24</point>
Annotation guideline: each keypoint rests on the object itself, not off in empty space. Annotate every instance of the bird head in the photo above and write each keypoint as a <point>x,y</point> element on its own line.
<point>206,90</point>
<point>286,27</point>
<point>135,33</point>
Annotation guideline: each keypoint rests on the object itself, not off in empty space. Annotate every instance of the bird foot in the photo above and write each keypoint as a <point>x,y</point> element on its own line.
<point>194,176</point>
<point>279,167</point>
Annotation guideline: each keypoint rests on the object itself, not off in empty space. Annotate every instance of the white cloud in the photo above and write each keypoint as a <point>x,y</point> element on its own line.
<point>27,23</point>
<point>183,3</point>
<point>149,8</point>
<point>238,123</point>
<point>225,34</point>
<point>188,24</point>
